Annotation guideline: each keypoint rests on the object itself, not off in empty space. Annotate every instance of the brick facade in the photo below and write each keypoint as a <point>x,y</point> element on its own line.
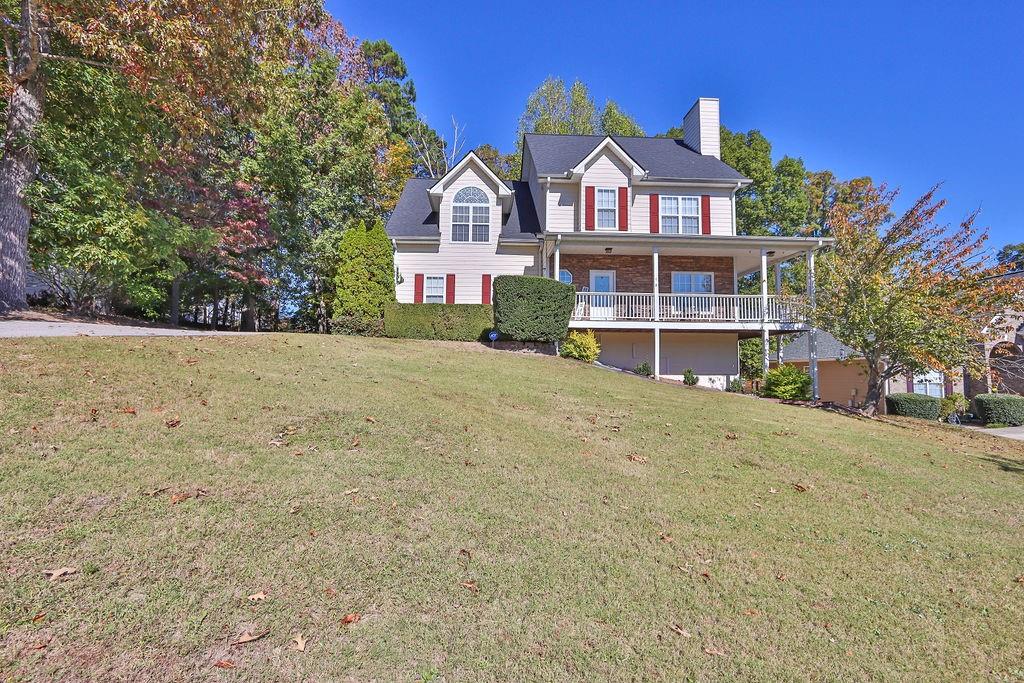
<point>635,273</point>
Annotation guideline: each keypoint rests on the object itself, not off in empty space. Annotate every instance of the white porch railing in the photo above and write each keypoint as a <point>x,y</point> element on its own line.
<point>706,308</point>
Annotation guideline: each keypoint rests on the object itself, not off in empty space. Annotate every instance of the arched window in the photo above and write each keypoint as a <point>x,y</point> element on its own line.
<point>471,216</point>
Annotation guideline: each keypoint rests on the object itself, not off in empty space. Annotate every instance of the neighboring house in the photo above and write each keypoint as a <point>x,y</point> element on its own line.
<point>842,372</point>
<point>643,228</point>
<point>1003,355</point>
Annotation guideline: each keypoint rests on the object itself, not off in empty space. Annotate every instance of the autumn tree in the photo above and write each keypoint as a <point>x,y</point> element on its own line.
<point>909,294</point>
<point>192,60</point>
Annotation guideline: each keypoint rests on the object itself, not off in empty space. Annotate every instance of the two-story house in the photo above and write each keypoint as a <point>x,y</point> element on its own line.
<point>643,228</point>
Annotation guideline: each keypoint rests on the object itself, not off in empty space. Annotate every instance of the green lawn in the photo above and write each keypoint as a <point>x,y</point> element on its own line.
<point>487,515</point>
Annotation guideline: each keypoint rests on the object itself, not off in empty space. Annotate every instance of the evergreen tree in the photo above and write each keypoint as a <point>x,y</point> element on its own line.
<point>365,283</point>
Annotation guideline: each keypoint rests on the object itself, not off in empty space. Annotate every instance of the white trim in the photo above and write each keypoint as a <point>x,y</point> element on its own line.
<point>598,209</point>
<point>437,189</point>
<point>635,169</point>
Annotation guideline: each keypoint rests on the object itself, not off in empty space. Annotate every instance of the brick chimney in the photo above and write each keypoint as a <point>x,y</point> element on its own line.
<point>701,132</point>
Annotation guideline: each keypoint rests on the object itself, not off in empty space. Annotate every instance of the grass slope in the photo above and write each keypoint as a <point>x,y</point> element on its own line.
<point>480,511</point>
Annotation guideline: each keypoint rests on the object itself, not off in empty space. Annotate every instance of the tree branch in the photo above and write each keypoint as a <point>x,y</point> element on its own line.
<point>80,60</point>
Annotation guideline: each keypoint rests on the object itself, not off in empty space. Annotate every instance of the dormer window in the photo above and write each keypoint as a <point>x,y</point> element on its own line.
<point>471,216</point>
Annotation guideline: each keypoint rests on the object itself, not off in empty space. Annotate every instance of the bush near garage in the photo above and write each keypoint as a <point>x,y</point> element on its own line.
<point>914,405</point>
<point>1000,409</point>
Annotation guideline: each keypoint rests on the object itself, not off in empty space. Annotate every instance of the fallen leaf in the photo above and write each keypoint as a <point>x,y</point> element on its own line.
<point>470,586</point>
<point>635,457</point>
<point>224,664</point>
<point>463,552</point>
<point>706,575</point>
<point>94,414</point>
<point>128,410</point>
<point>780,577</point>
<point>41,645</point>
<point>800,487</point>
<point>180,497</point>
<point>38,617</point>
<point>713,651</point>
<point>276,443</point>
<point>350,492</point>
<point>1020,579</point>
<point>773,491</point>
<point>293,509</point>
<point>249,636</point>
<point>298,642</point>
<point>351,618</point>
<point>676,628</point>
<point>751,612</point>
<point>171,424</point>
<point>155,492</point>
<point>330,591</point>
<point>371,419</point>
<point>666,537</point>
<point>731,436</point>
<point>55,574</point>
<point>258,597</point>
<point>297,454</point>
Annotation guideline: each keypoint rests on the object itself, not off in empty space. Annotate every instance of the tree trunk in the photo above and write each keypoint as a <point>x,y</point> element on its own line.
<point>874,390</point>
<point>249,313</point>
<point>216,312</point>
<point>174,302</point>
<point>19,165</point>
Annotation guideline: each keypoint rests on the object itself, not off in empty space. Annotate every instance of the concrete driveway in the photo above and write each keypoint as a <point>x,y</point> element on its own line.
<point>1006,432</point>
<point>61,328</point>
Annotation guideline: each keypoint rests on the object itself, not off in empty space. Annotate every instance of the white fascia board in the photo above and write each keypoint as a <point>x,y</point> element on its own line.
<point>437,189</point>
<point>636,170</point>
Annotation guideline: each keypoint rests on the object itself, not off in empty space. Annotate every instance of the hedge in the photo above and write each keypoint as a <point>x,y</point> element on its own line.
<point>913,405</point>
<point>454,322</point>
<point>528,308</point>
<point>1000,409</point>
<point>787,382</point>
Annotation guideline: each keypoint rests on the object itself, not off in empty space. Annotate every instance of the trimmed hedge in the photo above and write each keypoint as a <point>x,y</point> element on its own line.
<point>913,405</point>
<point>1000,409</point>
<point>453,322</point>
<point>528,308</point>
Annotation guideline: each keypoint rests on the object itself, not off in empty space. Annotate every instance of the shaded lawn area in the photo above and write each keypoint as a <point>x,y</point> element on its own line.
<point>487,516</point>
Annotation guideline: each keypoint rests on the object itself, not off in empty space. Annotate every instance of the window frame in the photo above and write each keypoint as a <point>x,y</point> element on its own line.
<point>710,274</point>
<point>679,215</point>
<point>929,379</point>
<point>614,208</point>
<point>471,224</point>
<point>426,288</point>
<point>567,272</point>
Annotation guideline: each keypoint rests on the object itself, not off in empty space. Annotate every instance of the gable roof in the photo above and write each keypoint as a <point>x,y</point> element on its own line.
<point>669,158</point>
<point>414,217</point>
<point>437,189</point>
<point>829,348</point>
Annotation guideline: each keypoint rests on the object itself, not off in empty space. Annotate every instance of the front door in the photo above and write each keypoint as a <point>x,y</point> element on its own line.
<point>602,307</point>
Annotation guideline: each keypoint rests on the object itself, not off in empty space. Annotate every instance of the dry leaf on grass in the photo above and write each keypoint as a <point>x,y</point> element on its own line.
<point>800,487</point>
<point>351,618</point>
<point>371,419</point>
<point>731,436</point>
<point>350,492</point>
<point>355,442</point>
<point>298,643</point>
<point>171,424</point>
<point>128,410</point>
<point>636,457</point>
<point>258,597</point>
<point>224,664</point>
<point>39,616</point>
<point>676,628</point>
<point>713,651</point>
<point>180,497</point>
<point>470,586</point>
<point>249,636</point>
<point>57,574</point>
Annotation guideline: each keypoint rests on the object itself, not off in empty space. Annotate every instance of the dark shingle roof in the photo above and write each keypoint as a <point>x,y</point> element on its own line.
<point>829,348</point>
<point>413,216</point>
<point>660,157</point>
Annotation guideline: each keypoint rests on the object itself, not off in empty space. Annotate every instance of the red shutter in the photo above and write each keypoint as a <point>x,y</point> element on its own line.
<point>589,207</point>
<point>449,289</point>
<point>655,215</point>
<point>623,208</point>
<point>485,289</point>
<point>705,214</point>
<point>910,384</point>
<point>418,289</point>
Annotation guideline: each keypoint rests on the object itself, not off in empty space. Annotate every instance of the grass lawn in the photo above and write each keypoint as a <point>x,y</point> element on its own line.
<point>431,511</point>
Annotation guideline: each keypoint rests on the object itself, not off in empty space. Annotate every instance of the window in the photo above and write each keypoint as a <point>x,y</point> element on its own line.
<point>564,276</point>
<point>607,203</point>
<point>471,216</point>
<point>680,215</point>
<point>931,384</point>
<point>433,289</point>
<point>692,283</point>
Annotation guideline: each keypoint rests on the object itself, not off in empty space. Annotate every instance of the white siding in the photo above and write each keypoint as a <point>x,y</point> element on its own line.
<point>721,207</point>
<point>606,170</point>
<point>468,261</point>
<point>712,355</point>
<point>701,127</point>
<point>563,208</point>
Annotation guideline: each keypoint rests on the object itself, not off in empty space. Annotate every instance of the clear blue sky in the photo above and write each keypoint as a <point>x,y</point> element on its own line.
<point>908,93</point>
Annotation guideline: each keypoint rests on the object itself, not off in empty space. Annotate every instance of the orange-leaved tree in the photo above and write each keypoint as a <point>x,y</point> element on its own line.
<point>910,294</point>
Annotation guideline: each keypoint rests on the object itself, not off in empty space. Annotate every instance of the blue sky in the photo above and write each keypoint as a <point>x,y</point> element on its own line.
<point>908,93</point>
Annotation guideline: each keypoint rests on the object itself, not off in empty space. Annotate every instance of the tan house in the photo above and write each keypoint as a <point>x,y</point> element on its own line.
<point>643,228</point>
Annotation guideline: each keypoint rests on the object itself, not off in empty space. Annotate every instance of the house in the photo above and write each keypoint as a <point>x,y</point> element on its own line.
<point>643,228</point>
<point>842,372</point>
<point>1004,353</point>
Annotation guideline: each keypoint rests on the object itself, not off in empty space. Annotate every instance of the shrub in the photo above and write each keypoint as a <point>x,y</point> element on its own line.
<point>455,322</point>
<point>954,403</point>
<point>735,385</point>
<point>365,283</point>
<point>643,369</point>
<point>913,405</point>
<point>787,382</point>
<point>530,308</point>
<point>690,377</point>
<point>1003,408</point>
<point>581,346</point>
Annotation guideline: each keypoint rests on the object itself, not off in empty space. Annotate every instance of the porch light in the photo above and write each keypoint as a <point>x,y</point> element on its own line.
<point>607,250</point>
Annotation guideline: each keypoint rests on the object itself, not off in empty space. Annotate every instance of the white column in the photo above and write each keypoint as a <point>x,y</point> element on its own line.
<point>657,352</point>
<point>812,335</point>
<point>778,292</point>
<point>657,299</point>
<point>558,253</point>
<point>764,310</point>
